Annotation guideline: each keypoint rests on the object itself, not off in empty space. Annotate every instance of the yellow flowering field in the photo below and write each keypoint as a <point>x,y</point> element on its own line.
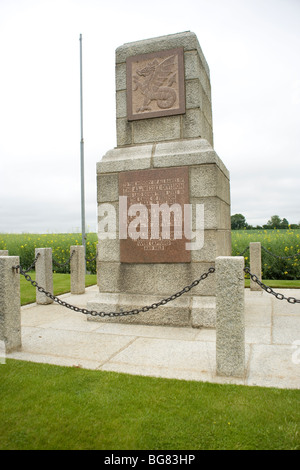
<point>23,245</point>
<point>281,243</point>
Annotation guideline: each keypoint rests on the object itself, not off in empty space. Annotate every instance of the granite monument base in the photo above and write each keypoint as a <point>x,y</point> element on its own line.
<point>130,285</point>
<point>186,311</point>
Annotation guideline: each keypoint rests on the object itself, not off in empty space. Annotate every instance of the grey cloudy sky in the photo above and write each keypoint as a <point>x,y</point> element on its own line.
<point>252,49</point>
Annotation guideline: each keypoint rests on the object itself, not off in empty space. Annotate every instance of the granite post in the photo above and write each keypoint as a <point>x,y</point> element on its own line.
<point>255,264</point>
<point>77,266</point>
<point>44,274</point>
<point>230,321</point>
<point>3,252</point>
<point>10,304</point>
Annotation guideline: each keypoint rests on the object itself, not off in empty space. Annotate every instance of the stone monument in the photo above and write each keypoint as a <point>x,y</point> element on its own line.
<point>163,192</point>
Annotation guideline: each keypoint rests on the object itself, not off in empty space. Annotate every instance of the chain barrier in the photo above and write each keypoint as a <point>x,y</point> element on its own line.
<point>56,263</point>
<point>277,256</point>
<point>59,265</point>
<point>31,266</point>
<point>243,252</point>
<point>92,259</point>
<point>269,290</point>
<point>155,305</point>
<point>114,314</point>
<point>270,253</point>
<point>62,265</point>
<point>266,288</point>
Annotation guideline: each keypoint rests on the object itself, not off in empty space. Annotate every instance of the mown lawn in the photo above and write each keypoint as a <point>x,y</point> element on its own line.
<point>278,284</point>
<point>50,407</point>
<point>61,285</point>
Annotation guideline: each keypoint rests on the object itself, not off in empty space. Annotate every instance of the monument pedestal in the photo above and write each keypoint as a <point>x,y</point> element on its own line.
<point>164,156</point>
<point>187,311</point>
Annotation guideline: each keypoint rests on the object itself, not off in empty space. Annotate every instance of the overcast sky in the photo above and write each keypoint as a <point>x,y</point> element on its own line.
<point>252,49</point>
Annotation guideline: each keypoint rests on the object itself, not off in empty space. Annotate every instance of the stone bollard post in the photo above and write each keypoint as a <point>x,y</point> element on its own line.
<point>3,252</point>
<point>255,264</point>
<point>44,274</point>
<point>10,304</point>
<point>230,321</point>
<point>77,265</point>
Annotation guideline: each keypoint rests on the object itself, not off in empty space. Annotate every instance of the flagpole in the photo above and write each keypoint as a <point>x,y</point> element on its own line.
<point>82,156</point>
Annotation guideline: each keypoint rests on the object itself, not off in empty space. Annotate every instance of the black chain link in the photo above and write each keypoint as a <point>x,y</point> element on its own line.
<point>115,314</point>
<point>30,267</point>
<point>279,257</point>
<point>146,308</point>
<point>62,265</point>
<point>92,259</point>
<point>270,253</point>
<point>243,252</point>
<point>291,300</point>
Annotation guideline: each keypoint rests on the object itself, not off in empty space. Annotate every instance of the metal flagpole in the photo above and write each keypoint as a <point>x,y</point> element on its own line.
<point>82,156</point>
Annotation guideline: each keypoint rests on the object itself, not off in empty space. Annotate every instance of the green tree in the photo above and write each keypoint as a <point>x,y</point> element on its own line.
<point>284,223</point>
<point>238,222</point>
<point>277,222</point>
<point>274,222</point>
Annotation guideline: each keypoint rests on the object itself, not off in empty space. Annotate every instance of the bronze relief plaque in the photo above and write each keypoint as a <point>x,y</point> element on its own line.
<point>152,215</point>
<point>155,84</point>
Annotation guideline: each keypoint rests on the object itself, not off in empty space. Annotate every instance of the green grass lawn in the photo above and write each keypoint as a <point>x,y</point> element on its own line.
<point>61,285</point>
<point>51,407</point>
<point>277,283</point>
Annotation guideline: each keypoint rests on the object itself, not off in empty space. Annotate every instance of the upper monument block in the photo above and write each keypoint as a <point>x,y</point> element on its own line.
<point>162,91</point>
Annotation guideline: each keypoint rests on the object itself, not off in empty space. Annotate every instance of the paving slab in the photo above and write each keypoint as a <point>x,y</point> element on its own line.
<point>53,334</point>
<point>285,329</point>
<point>164,358</point>
<point>273,366</point>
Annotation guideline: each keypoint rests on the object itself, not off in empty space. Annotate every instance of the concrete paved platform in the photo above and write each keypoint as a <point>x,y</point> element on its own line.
<point>55,335</point>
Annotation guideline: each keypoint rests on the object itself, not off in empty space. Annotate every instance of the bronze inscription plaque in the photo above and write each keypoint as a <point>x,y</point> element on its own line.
<point>152,215</point>
<point>155,84</point>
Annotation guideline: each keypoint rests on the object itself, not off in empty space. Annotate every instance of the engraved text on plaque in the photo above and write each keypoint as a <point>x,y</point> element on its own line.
<point>154,215</point>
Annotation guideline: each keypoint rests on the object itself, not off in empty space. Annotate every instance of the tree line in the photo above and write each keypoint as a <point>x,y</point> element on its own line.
<point>238,222</point>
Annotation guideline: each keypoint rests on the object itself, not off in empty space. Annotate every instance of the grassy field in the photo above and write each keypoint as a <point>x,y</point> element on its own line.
<point>23,245</point>
<point>282,243</point>
<point>50,407</point>
<point>61,285</point>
